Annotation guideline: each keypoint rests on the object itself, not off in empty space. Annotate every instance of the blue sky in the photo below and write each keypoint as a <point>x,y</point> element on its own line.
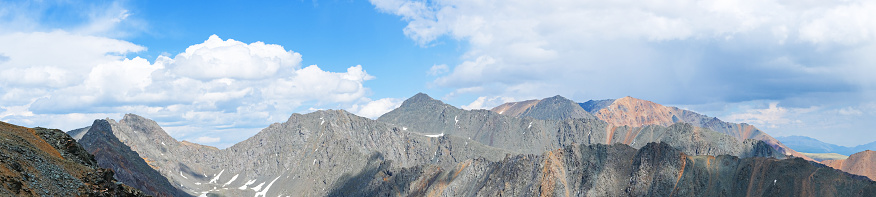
<point>217,72</point>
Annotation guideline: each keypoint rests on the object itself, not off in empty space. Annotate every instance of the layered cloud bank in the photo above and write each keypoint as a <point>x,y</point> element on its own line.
<point>217,84</point>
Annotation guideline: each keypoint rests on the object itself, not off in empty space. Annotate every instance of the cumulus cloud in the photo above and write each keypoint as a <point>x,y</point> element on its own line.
<point>218,85</point>
<point>487,103</point>
<point>377,108</point>
<point>217,58</point>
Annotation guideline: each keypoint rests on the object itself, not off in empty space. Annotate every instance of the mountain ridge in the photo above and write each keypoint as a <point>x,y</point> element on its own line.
<point>629,111</point>
<point>812,145</point>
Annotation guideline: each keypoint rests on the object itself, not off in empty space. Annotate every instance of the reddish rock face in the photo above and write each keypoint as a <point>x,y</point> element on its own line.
<point>629,111</point>
<point>862,163</point>
<point>48,162</point>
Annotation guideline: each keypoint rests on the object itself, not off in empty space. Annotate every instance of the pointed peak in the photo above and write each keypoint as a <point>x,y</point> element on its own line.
<point>421,96</point>
<point>556,98</point>
<point>420,99</point>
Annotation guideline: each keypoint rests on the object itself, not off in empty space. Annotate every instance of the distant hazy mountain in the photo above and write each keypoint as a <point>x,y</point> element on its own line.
<point>633,112</point>
<point>48,162</point>
<point>812,145</point>
<point>862,163</point>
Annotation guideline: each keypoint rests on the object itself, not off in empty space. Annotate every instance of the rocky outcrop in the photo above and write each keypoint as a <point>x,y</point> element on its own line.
<point>130,167</point>
<point>48,162</point>
<point>862,163</point>
<point>656,169</point>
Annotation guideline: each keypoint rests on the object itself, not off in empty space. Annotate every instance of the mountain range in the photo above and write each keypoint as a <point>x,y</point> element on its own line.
<point>811,145</point>
<point>547,147</point>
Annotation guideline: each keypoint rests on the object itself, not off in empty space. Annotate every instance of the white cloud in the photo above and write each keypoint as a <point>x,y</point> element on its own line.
<point>673,51</point>
<point>438,69</point>
<point>487,103</point>
<point>215,85</point>
<point>849,111</point>
<point>774,116</point>
<point>72,57</point>
<point>217,58</point>
<point>375,109</point>
<point>206,140</point>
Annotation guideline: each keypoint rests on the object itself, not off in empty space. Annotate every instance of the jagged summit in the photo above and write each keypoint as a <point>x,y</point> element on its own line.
<point>551,108</point>
<point>419,100</point>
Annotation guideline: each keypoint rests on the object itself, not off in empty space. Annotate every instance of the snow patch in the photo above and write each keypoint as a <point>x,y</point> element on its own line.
<point>229,181</point>
<point>250,182</point>
<point>197,183</point>
<point>217,177</point>
<point>404,128</point>
<point>457,120</point>
<point>183,176</point>
<point>265,191</point>
<point>162,143</point>
<point>436,135</point>
<point>530,125</point>
<point>323,121</point>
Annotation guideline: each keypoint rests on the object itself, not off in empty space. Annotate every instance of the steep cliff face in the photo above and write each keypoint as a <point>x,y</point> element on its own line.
<point>862,163</point>
<point>656,169</point>
<point>130,167</point>
<point>48,162</point>
<point>530,135</point>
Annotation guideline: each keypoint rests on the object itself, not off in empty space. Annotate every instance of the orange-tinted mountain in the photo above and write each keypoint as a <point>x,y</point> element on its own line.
<point>48,162</point>
<point>633,112</point>
<point>862,163</point>
<point>637,112</point>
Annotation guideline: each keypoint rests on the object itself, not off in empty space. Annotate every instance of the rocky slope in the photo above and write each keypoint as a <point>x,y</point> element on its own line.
<point>534,136</point>
<point>130,167</point>
<point>862,163</point>
<point>553,108</point>
<point>656,169</point>
<point>48,162</point>
<point>304,156</point>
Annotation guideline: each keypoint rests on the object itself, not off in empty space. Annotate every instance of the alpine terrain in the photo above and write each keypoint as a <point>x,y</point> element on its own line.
<point>428,148</point>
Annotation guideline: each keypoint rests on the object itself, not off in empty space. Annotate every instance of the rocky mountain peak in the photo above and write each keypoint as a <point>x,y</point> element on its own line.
<point>551,108</point>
